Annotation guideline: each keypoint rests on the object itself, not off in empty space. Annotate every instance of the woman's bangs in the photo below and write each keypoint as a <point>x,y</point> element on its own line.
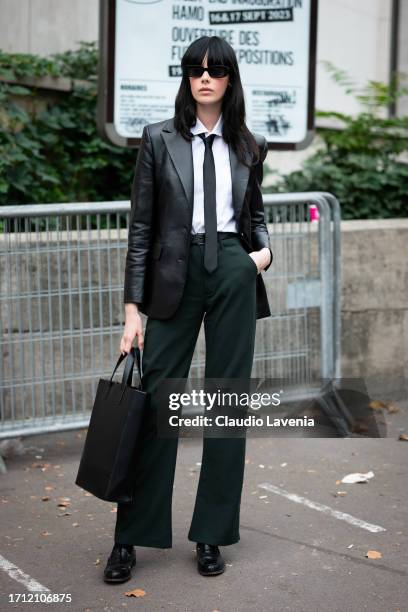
<point>216,55</point>
<point>195,55</point>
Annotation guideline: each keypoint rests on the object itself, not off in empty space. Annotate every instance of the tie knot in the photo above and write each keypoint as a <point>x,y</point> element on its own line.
<point>208,142</point>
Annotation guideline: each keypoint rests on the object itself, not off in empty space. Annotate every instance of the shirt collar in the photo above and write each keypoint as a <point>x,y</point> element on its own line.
<point>199,127</point>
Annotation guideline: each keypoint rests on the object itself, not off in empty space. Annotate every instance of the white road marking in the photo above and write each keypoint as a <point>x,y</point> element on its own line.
<point>17,574</point>
<point>342,516</point>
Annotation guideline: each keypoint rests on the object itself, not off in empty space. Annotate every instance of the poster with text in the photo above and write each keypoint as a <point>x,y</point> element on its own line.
<point>274,41</point>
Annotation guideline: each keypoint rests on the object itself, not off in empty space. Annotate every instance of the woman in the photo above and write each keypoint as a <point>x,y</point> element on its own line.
<point>197,245</point>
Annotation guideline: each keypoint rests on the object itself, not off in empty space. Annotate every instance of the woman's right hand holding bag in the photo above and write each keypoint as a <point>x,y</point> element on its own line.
<point>133,328</point>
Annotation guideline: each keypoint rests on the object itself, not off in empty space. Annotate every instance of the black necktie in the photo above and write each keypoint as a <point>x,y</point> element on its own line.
<point>210,205</point>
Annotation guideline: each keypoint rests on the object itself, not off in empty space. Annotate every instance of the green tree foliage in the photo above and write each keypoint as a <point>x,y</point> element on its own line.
<point>57,155</point>
<point>365,162</point>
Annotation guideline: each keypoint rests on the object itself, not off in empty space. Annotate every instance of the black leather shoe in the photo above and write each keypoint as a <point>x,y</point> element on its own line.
<point>120,562</point>
<point>209,560</point>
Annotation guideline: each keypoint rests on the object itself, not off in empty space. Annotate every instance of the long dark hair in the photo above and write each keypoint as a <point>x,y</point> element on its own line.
<point>234,130</point>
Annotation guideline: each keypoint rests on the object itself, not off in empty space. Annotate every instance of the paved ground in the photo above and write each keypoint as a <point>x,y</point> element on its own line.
<point>295,553</point>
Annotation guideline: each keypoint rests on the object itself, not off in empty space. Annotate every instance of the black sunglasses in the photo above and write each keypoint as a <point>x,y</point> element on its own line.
<point>215,72</point>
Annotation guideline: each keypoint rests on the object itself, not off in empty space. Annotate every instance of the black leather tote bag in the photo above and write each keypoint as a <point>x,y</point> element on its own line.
<point>105,468</point>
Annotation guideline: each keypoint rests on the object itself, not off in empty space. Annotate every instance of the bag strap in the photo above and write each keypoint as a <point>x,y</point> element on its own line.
<point>119,361</point>
<point>128,370</point>
<point>139,365</point>
<point>130,362</point>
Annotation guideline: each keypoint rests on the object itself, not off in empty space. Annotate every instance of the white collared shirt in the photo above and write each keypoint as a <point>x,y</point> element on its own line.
<point>225,210</point>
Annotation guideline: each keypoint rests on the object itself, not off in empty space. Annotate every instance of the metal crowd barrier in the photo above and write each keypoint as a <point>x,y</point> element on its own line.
<point>62,314</point>
<point>308,265</point>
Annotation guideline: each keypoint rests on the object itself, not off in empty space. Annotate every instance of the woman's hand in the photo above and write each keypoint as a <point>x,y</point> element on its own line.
<point>261,258</point>
<point>133,328</point>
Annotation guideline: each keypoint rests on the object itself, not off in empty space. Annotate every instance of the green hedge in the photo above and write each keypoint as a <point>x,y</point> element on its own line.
<point>57,155</point>
<point>364,164</point>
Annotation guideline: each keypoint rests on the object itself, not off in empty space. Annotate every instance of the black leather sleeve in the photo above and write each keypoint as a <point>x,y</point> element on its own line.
<point>140,222</point>
<point>259,231</point>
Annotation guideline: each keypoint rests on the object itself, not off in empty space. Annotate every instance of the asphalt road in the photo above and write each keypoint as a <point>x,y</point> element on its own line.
<point>303,544</point>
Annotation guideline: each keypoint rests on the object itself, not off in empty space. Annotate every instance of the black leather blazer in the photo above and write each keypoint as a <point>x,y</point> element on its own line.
<point>161,218</point>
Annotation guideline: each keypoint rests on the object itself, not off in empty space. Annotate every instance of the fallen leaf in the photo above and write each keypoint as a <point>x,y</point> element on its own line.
<point>135,593</point>
<point>45,533</point>
<point>373,554</point>
<point>97,562</point>
<point>403,437</point>
<point>376,405</point>
<point>45,498</point>
<point>75,524</point>
<point>390,406</point>
<point>42,466</point>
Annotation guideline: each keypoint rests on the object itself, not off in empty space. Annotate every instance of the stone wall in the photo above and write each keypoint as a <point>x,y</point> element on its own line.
<point>375,304</point>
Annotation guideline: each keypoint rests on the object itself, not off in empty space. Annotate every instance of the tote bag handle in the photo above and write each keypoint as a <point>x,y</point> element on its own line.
<point>128,370</point>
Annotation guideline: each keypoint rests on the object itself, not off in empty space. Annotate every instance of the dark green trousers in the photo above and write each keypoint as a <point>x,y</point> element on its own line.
<point>226,299</point>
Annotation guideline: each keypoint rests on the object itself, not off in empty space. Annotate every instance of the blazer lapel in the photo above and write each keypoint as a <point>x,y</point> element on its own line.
<point>181,154</point>
<point>239,179</point>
